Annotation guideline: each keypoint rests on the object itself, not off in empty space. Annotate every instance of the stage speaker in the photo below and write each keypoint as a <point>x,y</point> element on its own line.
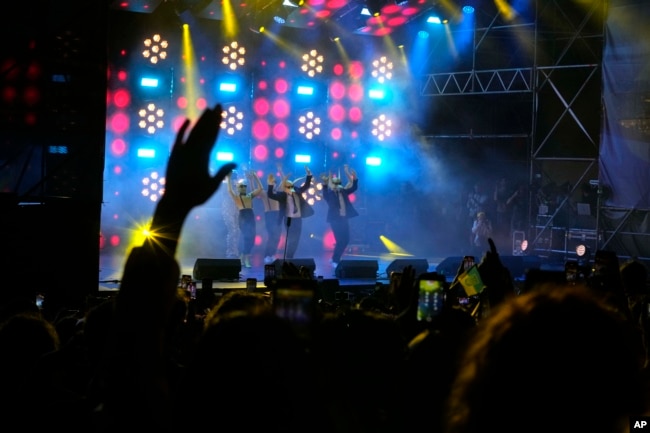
<point>420,265</point>
<point>307,263</point>
<point>357,269</point>
<point>216,269</point>
<point>449,266</point>
<point>517,265</point>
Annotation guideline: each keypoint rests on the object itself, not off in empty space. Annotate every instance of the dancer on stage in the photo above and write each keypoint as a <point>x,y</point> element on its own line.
<point>246,217</point>
<point>272,223</point>
<point>293,207</point>
<point>340,209</point>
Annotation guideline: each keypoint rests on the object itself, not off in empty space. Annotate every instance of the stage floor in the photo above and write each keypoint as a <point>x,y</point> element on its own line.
<point>112,275</point>
<point>111,270</point>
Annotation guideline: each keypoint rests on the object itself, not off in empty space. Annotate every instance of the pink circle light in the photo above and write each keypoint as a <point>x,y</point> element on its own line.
<point>261,106</point>
<point>281,86</point>
<point>384,31</point>
<point>201,104</point>
<point>32,95</point>
<point>261,130</point>
<point>355,92</point>
<point>410,11</point>
<point>390,9</point>
<point>355,114</point>
<point>337,113</point>
<point>335,4</point>
<point>281,108</point>
<point>337,90</point>
<point>356,70</point>
<point>121,98</point>
<point>177,122</point>
<point>280,131</point>
<point>396,21</point>
<point>119,123</point>
<point>261,153</point>
<point>9,94</point>
<point>118,147</point>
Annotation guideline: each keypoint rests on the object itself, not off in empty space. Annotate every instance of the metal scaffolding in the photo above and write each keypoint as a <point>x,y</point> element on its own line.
<point>553,57</point>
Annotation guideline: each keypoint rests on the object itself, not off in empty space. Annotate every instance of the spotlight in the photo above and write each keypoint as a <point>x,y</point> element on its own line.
<point>583,254</point>
<point>280,15</point>
<point>312,63</point>
<point>524,245</point>
<point>468,9</point>
<point>435,19</point>
<point>519,243</point>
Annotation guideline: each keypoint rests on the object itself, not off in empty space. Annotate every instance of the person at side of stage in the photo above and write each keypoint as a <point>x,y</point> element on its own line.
<point>272,223</point>
<point>340,209</point>
<point>292,206</point>
<point>246,217</point>
<point>481,232</point>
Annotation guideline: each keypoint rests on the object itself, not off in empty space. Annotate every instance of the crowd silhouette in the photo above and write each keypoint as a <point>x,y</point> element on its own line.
<point>558,356</point>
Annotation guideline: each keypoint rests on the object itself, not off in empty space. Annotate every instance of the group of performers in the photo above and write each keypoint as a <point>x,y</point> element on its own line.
<point>284,204</point>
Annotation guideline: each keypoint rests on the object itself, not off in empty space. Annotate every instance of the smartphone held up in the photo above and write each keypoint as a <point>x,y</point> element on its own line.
<point>431,296</point>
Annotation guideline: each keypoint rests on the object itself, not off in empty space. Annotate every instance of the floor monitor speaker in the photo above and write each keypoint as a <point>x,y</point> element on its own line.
<point>420,265</point>
<point>357,269</point>
<point>517,265</point>
<point>310,264</point>
<point>216,269</point>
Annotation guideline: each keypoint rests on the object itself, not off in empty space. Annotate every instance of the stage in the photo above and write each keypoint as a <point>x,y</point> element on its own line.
<point>355,274</point>
<point>355,271</point>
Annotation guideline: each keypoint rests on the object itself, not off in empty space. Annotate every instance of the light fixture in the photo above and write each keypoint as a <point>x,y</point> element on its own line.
<point>373,161</point>
<point>382,69</point>
<point>519,243</point>
<point>153,186</point>
<point>583,253</point>
<point>374,6</point>
<point>312,63</point>
<point>436,19</point>
<point>232,120</point>
<point>233,55</point>
<point>382,127</point>
<point>281,14</point>
<point>151,118</point>
<point>309,125</point>
<point>155,49</point>
<point>468,9</point>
